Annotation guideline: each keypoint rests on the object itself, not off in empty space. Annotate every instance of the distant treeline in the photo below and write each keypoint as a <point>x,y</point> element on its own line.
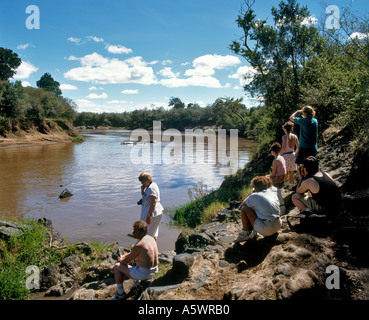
<point>226,113</point>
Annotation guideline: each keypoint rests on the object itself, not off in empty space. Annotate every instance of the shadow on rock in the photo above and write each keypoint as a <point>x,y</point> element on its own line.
<point>252,252</point>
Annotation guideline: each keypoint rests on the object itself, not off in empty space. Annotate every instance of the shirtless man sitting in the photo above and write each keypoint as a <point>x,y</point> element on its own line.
<point>145,253</point>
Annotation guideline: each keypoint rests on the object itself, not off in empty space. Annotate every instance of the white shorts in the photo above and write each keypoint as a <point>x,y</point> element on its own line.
<point>266,227</point>
<point>138,273</point>
<point>153,227</point>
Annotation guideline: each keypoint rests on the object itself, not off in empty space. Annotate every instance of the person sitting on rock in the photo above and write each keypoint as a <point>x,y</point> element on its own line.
<point>145,253</point>
<point>261,210</point>
<point>323,195</point>
<point>279,169</point>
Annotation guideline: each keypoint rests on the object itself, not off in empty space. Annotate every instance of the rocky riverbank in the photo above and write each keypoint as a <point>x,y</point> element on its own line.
<point>207,264</point>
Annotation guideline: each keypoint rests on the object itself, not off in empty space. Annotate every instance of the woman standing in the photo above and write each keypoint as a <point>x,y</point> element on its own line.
<point>308,145</point>
<point>151,210</point>
<point>290,147</point>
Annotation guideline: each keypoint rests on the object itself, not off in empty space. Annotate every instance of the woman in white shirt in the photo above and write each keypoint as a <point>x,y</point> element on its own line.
<point>151,210</point>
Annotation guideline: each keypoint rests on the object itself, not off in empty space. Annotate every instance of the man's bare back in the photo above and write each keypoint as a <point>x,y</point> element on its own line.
<point>147,252</point>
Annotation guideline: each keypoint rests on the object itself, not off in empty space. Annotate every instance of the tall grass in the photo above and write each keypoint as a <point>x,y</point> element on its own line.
<point>205,205</point>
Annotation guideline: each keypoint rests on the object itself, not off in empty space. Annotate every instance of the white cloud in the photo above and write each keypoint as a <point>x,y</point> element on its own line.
<point>24,70</point>
<point>96,96</point>
<point>72,58</point>
<point>207,64</point>
<point>26,84</point>
<point>195,81</point>
<point>244,74</point>
<point>91,106</point>
<point>202,73</point>
<point>168,73</point>
<point>96,39</point>
<point>118,101</point>
<point>118,49</point>
<point>23,46</point>
<point>74,40</point>
<point>309,21</point>
<point>358,35</point>
<point>165,62</point>
<point>135,91</point>
<point>101,70</point>
<point>94,88</point>
<point>67,87</point>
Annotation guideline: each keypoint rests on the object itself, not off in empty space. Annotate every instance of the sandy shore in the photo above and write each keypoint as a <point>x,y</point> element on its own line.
<point>30,142</point>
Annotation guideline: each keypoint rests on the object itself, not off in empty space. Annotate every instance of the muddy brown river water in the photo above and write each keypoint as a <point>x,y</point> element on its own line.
<point>103,179</point>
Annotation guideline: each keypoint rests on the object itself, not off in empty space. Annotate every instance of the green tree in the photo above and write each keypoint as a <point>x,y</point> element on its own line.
<point>47,83</point>
<point>277,55</point>
<point>9,62</point>
<point>12,103</point>
<point>176,103</point>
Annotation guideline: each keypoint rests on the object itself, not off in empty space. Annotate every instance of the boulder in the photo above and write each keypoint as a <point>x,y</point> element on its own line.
<point>65,194</point>
<point>182,264</point>
<point>9,228</point>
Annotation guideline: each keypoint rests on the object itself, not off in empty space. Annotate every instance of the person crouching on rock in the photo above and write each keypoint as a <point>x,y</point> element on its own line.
<point>261,210</point>
<point>145,253</point>
<point>323,195</point>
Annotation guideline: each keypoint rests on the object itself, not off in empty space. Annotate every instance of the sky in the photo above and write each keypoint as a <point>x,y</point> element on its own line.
<point>120,55</point>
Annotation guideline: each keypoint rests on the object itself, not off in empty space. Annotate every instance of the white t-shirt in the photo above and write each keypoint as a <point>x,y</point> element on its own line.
<point>152,190</point>
<point>266,203</point>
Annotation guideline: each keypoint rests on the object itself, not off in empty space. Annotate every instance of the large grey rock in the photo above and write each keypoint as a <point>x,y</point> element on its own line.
<point>10,228</point>
<point>182,264</point>
<point>152,293</point>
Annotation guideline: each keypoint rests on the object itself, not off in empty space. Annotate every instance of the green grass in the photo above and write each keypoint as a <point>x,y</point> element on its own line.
<point>78,139</point>
<point>203,208</point>
<point>28,248</point>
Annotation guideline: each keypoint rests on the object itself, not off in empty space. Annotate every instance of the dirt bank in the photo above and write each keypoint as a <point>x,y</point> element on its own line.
<point>27,132</point>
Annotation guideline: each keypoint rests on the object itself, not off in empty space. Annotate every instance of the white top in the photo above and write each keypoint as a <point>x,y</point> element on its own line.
<point>152,190</point>
<point>266,203</point>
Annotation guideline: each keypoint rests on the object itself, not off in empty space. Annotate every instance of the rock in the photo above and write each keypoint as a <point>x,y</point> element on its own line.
<point>182,264</point>
<point>301,280</point>
<point>98,290</point>
<point>242,265</point>
<point>84,247</point>
<point>72,265</point>
<point>153,293</point>
<point>55,291</point>
<point>166,257</point>
<point>65,194</point>
<point>50,277</point>
<point>9,228</point>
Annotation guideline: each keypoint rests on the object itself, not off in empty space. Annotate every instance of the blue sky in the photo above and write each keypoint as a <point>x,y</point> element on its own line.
<point>119,55</point>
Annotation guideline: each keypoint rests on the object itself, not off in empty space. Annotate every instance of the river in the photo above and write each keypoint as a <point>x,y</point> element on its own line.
<point>102,177</point>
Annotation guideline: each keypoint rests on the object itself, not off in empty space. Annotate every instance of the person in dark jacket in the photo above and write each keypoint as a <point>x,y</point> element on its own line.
<point>323,195</point>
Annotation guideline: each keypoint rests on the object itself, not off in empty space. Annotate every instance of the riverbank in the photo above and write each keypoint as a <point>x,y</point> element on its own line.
<point>20,133</point>
<point>207,264</point>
